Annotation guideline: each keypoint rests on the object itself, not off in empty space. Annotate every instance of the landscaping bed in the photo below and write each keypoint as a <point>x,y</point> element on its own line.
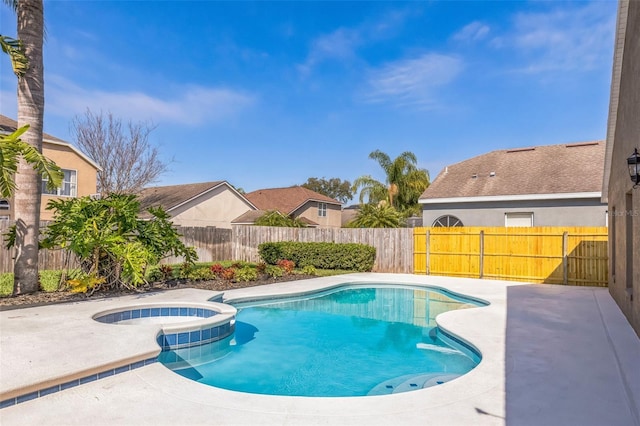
<point>49,297</point>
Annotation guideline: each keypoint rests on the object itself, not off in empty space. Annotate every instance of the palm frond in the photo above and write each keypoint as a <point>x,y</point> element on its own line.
<point>14,49</point>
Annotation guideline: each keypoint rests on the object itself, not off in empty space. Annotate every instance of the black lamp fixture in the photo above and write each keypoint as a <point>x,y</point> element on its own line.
<point>634,167</point>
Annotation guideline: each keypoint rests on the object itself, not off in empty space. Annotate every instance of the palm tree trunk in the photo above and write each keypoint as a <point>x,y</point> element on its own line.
<point>30,111</point>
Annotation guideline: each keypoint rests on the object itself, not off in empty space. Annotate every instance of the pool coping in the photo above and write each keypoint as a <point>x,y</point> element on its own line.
<point>478,397</point>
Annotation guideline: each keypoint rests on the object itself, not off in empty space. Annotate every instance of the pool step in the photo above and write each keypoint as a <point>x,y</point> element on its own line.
<point>411,382</point>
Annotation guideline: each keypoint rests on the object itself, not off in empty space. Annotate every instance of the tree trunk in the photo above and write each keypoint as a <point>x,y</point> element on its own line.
<point>30,111</point>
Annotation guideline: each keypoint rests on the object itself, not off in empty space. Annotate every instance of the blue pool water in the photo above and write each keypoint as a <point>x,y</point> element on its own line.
<point>352,341</point>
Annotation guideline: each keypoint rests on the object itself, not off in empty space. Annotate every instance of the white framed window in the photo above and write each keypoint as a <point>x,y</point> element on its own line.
<point>447,221</point>
<point>519,219</point>
<point>68,187</point>
<point>4,205</point>
<point>322,209</point>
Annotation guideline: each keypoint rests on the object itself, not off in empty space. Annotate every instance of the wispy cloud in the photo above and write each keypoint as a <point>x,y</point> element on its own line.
<point>194,105</point>
<point>574,38</point>
<point>343,43</point>
<point>412,82</point>
<point>340,44</point>
<point>474,31</point>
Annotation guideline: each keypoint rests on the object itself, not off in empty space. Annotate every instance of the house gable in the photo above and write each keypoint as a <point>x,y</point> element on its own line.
<point>199,204</point>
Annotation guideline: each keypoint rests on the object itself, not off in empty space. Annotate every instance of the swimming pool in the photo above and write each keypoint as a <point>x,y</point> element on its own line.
<point>348,341</point>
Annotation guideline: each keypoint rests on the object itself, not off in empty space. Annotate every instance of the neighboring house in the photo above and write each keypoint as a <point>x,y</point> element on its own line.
<point>623,136</point>
<point>80,172</point>
<point>552,185</point>
<point>349,213</point>
<point>314,209</point>
<point>197,204</point>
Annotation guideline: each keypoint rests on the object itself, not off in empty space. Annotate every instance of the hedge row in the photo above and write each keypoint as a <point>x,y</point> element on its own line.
<point>348,256</point>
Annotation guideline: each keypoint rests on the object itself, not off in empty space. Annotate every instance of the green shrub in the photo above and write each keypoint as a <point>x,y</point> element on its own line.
<point>274,271</point>
<point>153,274</point>
<point>309,270</point>
<point>51,280</point>
<point>6,284</point>
<point>110,240</point>
<point>246,273</point>
<point>203,273</point>
<point>349,256</point>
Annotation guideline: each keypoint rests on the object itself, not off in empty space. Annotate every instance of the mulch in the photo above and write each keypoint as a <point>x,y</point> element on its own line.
<point>42,298</point>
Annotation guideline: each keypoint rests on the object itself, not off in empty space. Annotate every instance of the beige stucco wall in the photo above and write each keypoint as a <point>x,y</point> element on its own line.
<point>624,200</point>
<point>333,219</point>
<point>66,158</point>
<point>216,208</point>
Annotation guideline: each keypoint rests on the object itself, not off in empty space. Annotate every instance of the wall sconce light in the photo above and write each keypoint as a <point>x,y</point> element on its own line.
<point>634,167</point>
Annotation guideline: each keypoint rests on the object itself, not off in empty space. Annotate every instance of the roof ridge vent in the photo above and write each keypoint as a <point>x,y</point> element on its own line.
<point>521,149</point>
<point>574,145</point>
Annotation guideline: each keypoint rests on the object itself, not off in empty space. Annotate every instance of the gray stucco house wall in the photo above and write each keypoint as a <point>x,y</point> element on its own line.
<point>567,212</point>
<point>623,135</point>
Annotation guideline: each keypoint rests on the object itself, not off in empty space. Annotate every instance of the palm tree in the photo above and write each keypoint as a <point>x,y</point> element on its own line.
<point>381,215</point>
<point>30,25</point>
<point>404,183</point>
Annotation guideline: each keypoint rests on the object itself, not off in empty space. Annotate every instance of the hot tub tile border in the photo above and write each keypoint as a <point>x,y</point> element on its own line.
<point>179,311</point>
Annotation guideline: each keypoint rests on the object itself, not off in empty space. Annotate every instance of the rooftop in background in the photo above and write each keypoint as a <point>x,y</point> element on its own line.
<point>548,169</point>
<point>9,125</point>
<point>173,196</point>
<point>286,200</point>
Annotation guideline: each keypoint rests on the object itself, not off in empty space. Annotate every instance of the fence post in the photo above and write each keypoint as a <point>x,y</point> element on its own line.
<point>427,252</point>
<point>565,263</point>
<point>481,253</point>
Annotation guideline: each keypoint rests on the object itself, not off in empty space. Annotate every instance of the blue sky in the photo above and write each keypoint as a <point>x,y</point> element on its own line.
<point>268,94</point>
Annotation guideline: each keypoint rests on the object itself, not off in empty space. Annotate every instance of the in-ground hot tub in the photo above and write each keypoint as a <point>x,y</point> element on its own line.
<point>182,324</point>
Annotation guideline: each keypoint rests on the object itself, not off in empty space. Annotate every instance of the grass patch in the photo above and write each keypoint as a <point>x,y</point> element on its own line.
<point>6,284</point>
<point>49,281</point>
<point>330,272</point>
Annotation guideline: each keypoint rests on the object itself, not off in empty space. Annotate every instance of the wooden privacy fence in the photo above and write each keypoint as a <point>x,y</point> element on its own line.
<point>573,256</point>
<point>210,243</point>
<point>394,247</point>
<point>47,259</point>
<point>554,255</point>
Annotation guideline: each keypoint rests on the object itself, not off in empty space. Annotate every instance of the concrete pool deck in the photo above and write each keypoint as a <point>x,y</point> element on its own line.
<point>552,355</point>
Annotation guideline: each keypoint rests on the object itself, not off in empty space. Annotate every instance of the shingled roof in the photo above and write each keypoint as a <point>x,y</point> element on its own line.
<point>9,125</point>
<point>551,169</point>
<point>286,200</point>
<point>170,197</point>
